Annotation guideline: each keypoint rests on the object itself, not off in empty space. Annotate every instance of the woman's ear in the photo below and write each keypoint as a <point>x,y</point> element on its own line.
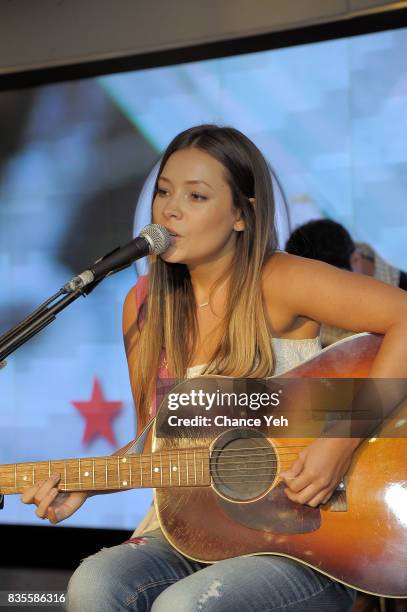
<point>356,262</point>
<point>361,264</point>
<point>239,225</point>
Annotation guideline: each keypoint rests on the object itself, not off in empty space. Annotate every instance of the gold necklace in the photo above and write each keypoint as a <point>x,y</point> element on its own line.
<point>207,303</point>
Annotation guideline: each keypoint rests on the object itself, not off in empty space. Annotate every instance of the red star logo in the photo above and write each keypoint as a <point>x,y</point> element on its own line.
<point>98,413</point>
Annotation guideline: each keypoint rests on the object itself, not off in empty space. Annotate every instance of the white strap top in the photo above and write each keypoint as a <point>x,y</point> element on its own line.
<point>287,352</point>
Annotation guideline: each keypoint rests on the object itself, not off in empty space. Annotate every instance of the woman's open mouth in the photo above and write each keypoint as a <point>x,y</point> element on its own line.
<point>173,235</point>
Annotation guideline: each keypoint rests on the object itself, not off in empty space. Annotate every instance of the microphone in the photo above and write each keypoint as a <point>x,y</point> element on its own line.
<point>154,239</point>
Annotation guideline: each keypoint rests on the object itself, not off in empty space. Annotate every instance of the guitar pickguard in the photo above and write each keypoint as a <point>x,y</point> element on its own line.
<point>274,512</point>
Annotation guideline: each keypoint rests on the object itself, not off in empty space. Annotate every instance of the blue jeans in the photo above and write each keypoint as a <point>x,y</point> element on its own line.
<point>149,574</point>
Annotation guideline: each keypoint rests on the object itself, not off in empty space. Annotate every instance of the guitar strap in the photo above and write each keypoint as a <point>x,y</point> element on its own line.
<point>140,442</point>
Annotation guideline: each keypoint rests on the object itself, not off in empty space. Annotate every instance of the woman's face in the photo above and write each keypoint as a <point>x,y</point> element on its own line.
<point>194,201</point>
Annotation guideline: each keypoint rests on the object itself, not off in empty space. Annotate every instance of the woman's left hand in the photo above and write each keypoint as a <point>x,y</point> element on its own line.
<point>318,470</point>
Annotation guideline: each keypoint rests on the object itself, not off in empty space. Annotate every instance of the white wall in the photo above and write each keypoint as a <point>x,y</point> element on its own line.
<point>44,33</point>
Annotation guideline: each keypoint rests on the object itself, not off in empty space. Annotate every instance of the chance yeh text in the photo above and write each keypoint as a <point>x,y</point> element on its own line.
<point>225,421</point>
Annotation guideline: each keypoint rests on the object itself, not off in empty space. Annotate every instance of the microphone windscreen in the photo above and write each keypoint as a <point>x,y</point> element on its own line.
<point>158,237</point>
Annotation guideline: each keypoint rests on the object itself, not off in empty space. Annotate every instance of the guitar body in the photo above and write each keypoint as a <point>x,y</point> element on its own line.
<point>358,538</point>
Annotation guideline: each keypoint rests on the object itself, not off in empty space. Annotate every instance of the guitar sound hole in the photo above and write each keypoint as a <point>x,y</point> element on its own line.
<point>243,464</point>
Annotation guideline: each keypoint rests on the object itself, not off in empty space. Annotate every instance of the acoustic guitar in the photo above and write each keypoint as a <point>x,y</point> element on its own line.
<point>217,489</point>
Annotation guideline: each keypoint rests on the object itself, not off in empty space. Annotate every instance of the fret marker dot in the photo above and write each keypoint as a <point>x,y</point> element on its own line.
<point>156,469</point>
<point>124,460</point>
<point>86,474</point>
<point>174,469</point>
<point>25,478</point>
<point>125,483</point>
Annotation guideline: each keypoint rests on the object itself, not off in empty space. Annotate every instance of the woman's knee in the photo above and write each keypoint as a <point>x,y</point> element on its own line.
<point>94,586</point>
<point>124,577</point>
<point>192,595</point>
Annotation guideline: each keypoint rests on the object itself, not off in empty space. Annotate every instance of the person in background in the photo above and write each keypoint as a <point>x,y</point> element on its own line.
<point>329,241</point>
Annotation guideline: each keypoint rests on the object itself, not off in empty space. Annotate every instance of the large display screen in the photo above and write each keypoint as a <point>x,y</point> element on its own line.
<point>331,119</point>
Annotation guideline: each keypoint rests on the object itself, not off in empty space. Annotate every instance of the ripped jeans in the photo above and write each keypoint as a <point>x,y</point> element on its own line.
<point>149,574</point>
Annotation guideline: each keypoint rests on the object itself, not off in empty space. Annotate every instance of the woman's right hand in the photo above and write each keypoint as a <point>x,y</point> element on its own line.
<point>52,504</point>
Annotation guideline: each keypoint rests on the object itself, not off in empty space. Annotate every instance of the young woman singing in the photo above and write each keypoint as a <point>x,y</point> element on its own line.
<point>223,300</point>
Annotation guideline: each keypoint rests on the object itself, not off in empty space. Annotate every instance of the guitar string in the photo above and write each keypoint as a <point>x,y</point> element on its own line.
<point>246,470</point>
<point>214,454</point>
<point>166,453</point>
<point>241,478</point>
<point>146,464</point>
<point>250,466</point>
<point>170,454</point>
<point>250,456</point>
<point>249,460</point>
<point>150,457</point>
<point>75,486</point>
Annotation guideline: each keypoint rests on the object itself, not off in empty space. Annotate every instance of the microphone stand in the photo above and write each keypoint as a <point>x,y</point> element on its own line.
<point>40,318</point>
<point>44,315</point>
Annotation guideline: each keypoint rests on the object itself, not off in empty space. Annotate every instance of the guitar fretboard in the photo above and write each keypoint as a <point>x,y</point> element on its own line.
<point>175,468</point>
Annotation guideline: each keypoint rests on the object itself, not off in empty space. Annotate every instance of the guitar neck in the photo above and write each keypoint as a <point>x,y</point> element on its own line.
<point>174,468</point>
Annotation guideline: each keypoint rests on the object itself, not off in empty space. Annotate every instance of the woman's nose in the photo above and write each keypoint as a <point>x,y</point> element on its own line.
<point>172,208</point>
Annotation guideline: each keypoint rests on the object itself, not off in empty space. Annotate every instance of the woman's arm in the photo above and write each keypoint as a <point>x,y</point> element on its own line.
<point>323,293</point>
<point>307,288</point>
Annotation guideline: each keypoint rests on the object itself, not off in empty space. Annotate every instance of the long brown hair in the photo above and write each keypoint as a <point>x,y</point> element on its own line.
<point>245,348</point>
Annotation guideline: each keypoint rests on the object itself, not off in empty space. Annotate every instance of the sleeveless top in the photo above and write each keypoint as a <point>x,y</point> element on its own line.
<point>287,354</point>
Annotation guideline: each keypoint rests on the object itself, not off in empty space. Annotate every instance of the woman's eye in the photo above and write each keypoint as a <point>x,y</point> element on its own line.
<point>161,192</point>
<point>198,196</point>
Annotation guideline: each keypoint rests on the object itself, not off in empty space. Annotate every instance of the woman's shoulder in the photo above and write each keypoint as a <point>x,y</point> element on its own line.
<point>137,294</point>
<point>281,275</point>
<point>282,268</point>
<point>276,268</point>
<point>133,301</point>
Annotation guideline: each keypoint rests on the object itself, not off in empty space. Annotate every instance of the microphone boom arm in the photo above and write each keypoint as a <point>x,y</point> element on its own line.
<point>39,318</point>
